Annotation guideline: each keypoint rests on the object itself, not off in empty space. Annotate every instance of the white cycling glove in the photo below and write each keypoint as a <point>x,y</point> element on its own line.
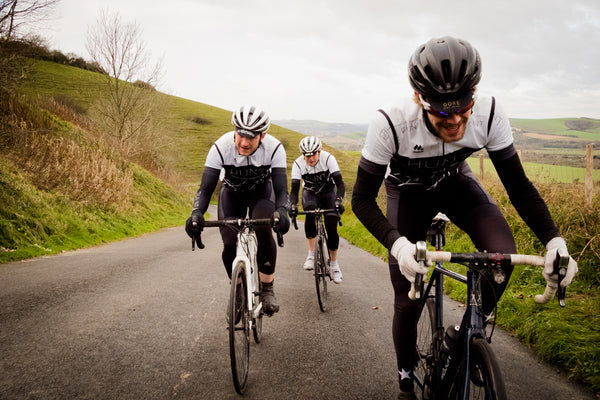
<point>552,249</point>
<point>404,251</point>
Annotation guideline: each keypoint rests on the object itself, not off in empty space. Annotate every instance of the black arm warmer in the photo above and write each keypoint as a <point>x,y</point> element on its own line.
<point>280,187</point>
<point>523,195</point>
<point>294,190</point>
<point>210,178</point>
<point>364,202</point>
<point>339,183</point>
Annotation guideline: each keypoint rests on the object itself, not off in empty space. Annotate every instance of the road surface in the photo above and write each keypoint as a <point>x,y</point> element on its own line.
<point>144,318</point>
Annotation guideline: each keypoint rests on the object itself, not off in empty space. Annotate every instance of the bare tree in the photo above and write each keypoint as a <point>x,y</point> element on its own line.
<point>14,14</point>
<point>129,102</point>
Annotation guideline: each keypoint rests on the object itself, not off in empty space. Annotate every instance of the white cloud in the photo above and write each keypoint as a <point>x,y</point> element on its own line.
<point>339,60</point>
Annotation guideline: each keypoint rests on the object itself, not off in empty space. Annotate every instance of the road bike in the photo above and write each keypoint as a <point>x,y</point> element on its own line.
<point>322,268</point>
<point>458,362</point>
<point>245,310</point>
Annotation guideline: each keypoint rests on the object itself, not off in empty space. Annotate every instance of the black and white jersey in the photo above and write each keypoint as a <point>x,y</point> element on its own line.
<point>415,156</point>
<point>244,173</point>
<point>316,179</point>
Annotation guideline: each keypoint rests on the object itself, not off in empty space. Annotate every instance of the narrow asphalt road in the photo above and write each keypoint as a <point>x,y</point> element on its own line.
<point>145,319</point>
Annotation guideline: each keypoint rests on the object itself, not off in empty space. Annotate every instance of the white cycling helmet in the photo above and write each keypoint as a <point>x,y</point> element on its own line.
<point>250,121</point>
<point>310,145</point>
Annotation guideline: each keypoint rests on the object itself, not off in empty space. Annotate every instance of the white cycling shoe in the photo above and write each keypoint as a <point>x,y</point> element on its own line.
<point>309,264</point>
<point>336,274</point>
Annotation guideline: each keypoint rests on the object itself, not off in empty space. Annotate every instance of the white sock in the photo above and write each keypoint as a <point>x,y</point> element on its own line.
<point>311,254</point>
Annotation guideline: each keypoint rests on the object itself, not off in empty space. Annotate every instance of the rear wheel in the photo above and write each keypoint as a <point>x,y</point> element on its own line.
<point>321,272</point>
<point>425,335</point>
<point>486,381</point>
<point>239,331</point>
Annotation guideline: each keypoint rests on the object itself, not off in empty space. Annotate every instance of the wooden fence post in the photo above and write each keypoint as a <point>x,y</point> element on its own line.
<point>481,165</point>
<point>589,175</point>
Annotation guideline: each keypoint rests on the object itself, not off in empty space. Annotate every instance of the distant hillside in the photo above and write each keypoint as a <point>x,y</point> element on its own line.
<point>321,129</point>
<point>558,134</point>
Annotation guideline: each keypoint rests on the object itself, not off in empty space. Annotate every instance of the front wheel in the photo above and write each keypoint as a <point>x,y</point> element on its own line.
<point>239,330</point>
<point>486,382</point>
<point>424,349</point>
<point>321,272</point>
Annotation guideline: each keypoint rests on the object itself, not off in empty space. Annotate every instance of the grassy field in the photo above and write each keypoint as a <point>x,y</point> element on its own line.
<point>542,173</point>
<point>587,129</point>
<point>62,188</point>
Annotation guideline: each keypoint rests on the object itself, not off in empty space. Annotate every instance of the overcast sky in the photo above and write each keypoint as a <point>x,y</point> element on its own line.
<point>340,60</point>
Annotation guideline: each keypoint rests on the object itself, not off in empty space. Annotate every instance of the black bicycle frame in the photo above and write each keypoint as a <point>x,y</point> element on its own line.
<point>472,324</point>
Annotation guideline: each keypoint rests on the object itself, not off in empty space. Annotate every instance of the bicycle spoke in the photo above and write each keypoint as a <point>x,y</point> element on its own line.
<point>321,274</point>
<point>239,330</point>
<point>425,335</point>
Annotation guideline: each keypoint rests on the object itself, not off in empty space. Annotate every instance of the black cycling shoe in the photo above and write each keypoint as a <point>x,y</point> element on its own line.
<point>267,298</point>
<point>407,396</point>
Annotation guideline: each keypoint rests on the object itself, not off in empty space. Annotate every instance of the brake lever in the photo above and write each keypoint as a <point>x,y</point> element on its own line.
<point>421,256</point>
<point>196,240</point>
<point>560,267</point>
<point>276,228</point>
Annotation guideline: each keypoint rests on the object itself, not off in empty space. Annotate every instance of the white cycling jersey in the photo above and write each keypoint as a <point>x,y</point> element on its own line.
<point>243,173</point>
<point>420,157</point>
<point>318,178</point>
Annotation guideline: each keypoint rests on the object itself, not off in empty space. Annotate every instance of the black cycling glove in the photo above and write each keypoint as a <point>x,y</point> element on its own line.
<point>284,221</point>
<point>193,230</point>
<point>339,206</point>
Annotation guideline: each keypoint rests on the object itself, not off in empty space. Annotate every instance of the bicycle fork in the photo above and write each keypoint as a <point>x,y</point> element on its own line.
<point>247,244</point>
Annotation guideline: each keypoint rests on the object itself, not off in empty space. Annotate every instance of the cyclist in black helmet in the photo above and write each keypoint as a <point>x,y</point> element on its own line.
<point>419,151</point>
<point>254,182</point>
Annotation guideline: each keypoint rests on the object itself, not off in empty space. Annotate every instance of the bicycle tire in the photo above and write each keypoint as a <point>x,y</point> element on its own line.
<point>321,272</point>
<point>258,320</point>
<point>239,331</point>
<point>486,378</point>
<point>424,349</point>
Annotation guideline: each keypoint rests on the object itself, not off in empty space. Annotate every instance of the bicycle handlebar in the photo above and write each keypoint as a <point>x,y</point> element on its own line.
<point>317,211</point>
<point>241,222</point>
<point>560,267</point>
<point>238,223</point>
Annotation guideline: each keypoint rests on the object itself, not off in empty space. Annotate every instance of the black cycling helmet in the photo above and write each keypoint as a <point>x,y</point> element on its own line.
<point>444,67</point>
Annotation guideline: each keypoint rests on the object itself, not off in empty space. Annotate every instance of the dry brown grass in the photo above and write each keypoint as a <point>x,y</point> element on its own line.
<point>72,165</point>
<point>84,174</point>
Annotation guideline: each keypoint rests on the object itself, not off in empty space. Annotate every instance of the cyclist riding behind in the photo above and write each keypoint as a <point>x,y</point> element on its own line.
<point>419,150</point>
<point>323,188</point>
<point>254,183</point>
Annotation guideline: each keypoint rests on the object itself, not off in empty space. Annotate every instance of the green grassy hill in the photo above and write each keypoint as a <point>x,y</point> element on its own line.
<point>582,128</point>
<point>53,111</point>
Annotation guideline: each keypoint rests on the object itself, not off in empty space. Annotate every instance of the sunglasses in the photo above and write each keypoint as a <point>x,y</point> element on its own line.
<point>441,114</point>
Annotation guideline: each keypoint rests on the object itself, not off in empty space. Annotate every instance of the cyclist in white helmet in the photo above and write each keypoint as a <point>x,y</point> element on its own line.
<point>323,188</point>
<point>419,150</point>
<point>254,182</point>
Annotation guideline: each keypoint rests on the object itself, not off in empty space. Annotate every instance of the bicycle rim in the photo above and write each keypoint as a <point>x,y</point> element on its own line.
<point>321,273</point>
<point>425,334</point>
<point>486,381</point>
<point>258,320</point>
<point>239,334</point>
